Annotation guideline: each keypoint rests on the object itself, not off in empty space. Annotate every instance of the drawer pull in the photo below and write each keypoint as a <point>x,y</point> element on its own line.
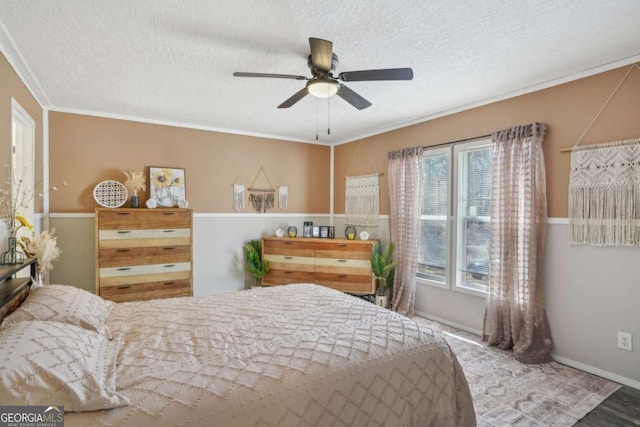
<point>168,213</point>
<point>288,272</point>
<point>342,244</point>
<point>124,231</point>
<point>124,287</point>
<point>169,248</point>
<point>124,268</point>
<point>169,231</point>
<point>342,260</point>
<point>288,243</point>
<point>342,275</point>
<point>169,265</point>
<point>169,283</point>
<point>123,250</point>
<point>288,257</point>
<point>123,213</point>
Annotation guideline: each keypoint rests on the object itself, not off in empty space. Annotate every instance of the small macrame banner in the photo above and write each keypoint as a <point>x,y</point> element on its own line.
<point>283,197</point>
<point>362,200</point>
<point>604,194</point>
<point>238,197</point>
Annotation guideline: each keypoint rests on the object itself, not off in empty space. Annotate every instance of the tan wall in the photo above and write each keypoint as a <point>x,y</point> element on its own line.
<point>12,86</point>
<point>85,150</point>
<point>567,110</point>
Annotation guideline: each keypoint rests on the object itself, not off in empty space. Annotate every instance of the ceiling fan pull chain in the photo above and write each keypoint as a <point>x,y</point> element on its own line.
<point>316,120</point>
<point>328,116</point>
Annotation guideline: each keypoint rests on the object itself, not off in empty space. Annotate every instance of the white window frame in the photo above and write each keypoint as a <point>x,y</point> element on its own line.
<point>448,218</point>
<point>454,256</point>
<point>458,222</point>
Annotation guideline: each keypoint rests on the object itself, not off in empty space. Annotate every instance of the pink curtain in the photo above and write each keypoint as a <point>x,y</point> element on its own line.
<point>404,171</point>
<point>515,316</point>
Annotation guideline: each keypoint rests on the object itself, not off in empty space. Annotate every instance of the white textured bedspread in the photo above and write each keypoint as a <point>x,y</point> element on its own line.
<point>283,356</point>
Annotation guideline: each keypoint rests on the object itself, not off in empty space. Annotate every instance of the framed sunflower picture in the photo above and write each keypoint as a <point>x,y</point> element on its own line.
<point>167,186</point>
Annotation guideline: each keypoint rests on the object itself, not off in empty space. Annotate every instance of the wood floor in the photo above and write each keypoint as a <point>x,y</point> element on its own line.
<point>622,408</point>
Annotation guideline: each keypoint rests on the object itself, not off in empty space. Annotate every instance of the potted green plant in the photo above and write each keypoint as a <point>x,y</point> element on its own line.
<point>257,266</point>
<point>383,268</point>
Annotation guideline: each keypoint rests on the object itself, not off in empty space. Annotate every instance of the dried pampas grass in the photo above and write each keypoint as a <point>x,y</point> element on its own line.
<point>44,247</point>
<point>135,181</point>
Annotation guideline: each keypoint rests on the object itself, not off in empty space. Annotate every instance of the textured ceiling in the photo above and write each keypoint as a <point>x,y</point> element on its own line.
<point>171,61</point>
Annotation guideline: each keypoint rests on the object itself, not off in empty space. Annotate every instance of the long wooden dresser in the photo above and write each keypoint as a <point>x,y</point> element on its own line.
<point>143,254</point>
<point>340,264</point>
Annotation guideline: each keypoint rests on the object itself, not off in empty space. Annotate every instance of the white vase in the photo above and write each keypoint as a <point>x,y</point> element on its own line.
<point>382,300</point>
<point>37,281</point>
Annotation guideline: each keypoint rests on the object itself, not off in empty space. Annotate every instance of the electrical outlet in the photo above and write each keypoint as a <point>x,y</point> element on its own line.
<point>625,341</point>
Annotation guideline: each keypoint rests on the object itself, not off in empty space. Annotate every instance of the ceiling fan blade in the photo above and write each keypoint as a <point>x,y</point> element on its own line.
<point>295,98</point>
<point>321,51</point>
<point>353,98</point>
<point>276,76</point>
<point>370,75</point>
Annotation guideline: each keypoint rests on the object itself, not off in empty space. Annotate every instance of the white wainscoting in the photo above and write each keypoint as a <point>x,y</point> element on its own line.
<point>591,293</point>
<point>218,260</point>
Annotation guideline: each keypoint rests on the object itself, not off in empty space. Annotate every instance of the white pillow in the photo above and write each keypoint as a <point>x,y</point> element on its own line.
<point>67,304</point>
<point>53,363</point>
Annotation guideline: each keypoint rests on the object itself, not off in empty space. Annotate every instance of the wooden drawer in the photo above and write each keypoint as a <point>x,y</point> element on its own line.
<point>117,276</point>
<point>344,264</point>
<point>288,262</point>
<point>144,255</point>
<point>143,218</point>
<point>343,249</point>
<point>357,284</point>
<point>287,246</point>
<point>144,238</point>
<point>147,291</point>
<point>286,277</point>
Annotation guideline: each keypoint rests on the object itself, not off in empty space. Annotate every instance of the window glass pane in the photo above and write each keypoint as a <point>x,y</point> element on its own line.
<point>474,215</point>
<point>478,183</point>
<point>433,225</point>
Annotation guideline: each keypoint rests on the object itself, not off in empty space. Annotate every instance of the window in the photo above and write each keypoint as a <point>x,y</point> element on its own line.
<point>434,217</point>
<point>456,217</point>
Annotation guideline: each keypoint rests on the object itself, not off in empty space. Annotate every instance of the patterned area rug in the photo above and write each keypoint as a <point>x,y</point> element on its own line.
<point>509,393</point>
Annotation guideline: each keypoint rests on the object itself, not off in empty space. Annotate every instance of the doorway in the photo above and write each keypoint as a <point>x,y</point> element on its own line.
<point>22,168</point>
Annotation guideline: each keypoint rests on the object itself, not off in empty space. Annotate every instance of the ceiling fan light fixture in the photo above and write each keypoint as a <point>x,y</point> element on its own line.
<point>322,88</point>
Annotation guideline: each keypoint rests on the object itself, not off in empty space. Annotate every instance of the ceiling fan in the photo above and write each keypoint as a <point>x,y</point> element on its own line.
<point>322,62</point>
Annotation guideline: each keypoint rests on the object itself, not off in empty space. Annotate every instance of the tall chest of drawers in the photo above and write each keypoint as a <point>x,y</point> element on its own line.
<point>143,254</point>
<point>340,264</point>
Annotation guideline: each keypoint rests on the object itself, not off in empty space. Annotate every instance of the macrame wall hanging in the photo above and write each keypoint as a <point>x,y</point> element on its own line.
<point>604,194</point>
<point>261,198</point>
<point>362,196</point>
<point>362,200</point>
<point>604,190</point>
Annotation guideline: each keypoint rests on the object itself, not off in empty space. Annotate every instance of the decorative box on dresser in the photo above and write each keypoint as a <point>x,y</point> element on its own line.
<point>143,254</point>
<point>340,264</point>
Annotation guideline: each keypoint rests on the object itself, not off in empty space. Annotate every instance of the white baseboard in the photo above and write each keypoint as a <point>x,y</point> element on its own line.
<point>449,323</point>
<point>597,371</point>
<point>572,363</point>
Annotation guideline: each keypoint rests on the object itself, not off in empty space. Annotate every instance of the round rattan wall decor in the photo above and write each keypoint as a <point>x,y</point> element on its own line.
<point>110,194</point>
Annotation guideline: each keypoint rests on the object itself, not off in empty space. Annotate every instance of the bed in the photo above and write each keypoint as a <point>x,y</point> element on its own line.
<point>280,356</point>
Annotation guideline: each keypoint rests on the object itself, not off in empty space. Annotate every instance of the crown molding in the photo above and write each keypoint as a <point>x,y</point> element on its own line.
<point>19,65</point>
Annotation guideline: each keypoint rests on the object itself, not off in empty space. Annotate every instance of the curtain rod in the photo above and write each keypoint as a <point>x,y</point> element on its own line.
<point>456,142</point>
<point>471,139</point>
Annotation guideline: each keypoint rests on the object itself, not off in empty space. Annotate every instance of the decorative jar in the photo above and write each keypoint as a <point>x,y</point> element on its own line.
<point>350,232</point>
